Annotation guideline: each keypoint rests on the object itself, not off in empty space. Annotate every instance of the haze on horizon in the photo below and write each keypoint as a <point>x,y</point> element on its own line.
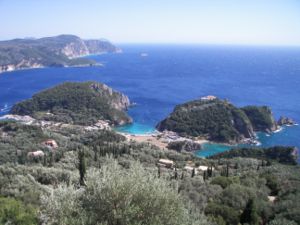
<point>250,22</point>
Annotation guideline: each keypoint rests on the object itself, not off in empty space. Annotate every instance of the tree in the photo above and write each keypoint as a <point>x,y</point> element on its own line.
<point>250,215</point>
<point>227,170</point>
<point>205,175</point>
<point>115,196</point>
<point>175,174</point>
<point>158,171</point>
<point>193,172</point>
<point>15,212</point>
<point>82,167</point>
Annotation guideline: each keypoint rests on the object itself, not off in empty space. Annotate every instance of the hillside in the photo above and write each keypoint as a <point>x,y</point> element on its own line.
<point>107,179</point>
<point>218,120</point>
<point>58,51</point>
<point>285,155</point>
<point>77,103</point>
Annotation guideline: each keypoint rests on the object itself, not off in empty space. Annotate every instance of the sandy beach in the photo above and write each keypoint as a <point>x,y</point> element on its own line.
<point>157,139</point>
<point>151,139</point>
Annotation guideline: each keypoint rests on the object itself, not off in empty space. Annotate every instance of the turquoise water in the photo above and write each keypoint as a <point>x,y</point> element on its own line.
<point>136,128</point>
<point>280,137</point>
<point>209,149</point>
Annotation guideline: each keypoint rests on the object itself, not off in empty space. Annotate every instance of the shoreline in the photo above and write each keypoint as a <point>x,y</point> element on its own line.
<point>48,67</point>
<point>157,138</point>
<point>97,64</point>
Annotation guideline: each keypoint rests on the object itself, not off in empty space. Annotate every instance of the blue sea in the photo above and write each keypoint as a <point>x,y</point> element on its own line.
<point>157,77</point>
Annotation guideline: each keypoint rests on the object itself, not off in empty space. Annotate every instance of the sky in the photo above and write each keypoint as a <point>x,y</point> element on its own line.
<point>250,22</point>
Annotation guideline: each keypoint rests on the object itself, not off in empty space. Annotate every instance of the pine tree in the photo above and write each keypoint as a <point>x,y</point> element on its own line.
<point>204,175</point>
<point>82,167</point>
<point>95,154</point>
<point>159,172</point>
<point>51,162</point>
<point>236,166</point>
<point>227,170</point>
<point>250,215</point>
<point>176,174</point>
<point>193,172</point>
<point>45,160</point>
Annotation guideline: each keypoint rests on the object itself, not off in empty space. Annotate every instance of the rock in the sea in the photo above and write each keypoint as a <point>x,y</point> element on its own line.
<point>186,145</point>
<point>285,121</point>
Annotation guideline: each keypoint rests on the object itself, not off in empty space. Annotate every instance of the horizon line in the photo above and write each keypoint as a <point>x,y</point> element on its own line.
<point>209,44</point>
<point>169,42</point>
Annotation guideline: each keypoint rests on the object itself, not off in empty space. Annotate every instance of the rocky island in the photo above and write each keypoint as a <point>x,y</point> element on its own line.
<point>218,120</point>
<point>58,51</point>
<point>77,103</point>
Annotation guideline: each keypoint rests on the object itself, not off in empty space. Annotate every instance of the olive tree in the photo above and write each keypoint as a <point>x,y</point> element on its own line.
<point>118,196</point>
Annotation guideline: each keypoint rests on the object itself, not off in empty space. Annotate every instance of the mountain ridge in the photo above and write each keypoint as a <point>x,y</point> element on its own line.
<point>58,51</point>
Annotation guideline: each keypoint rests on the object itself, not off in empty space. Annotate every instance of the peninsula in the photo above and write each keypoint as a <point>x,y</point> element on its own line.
<point>77,103</point>
<point>218,120</point>
<point>58,51</point>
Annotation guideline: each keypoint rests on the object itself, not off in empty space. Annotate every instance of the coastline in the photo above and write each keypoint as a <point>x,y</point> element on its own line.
<point>45,67</point>
<point>64,66</point>
<point>157,138</point>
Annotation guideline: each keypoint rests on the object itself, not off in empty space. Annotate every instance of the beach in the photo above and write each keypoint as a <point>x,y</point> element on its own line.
<point>159,139</point>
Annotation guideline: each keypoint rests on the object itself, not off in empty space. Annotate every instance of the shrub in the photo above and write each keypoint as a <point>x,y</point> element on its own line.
<point>222,181</point>
<point>116,196</point>
<point>15,212</point>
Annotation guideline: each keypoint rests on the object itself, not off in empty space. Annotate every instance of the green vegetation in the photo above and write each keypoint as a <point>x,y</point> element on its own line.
<point>261,118</point>
<point>117,196</point>
<point>249,215</point>
<point>286,155</point>
<point>127,188</point>
<point>81,167</point>
<point>97,176</point>
<point>78,103</point>
<point>15,212</point>
<point>50,52</point>
<point>217,120</point>
<point>17,140</point>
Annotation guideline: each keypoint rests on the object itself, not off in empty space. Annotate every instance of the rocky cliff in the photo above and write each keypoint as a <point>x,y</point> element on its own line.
<point>77,103</point>
<point>261,118</point>
<point>62,50</point>
<point>218,120</point>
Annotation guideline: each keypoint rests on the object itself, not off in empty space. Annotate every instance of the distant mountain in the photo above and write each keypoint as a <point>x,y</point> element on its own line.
<point>218,120</point>
<point>77,103</point>
<point>58,51</point>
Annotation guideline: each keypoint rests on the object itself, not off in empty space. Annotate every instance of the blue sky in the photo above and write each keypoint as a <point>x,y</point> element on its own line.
<point>251,22</point>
